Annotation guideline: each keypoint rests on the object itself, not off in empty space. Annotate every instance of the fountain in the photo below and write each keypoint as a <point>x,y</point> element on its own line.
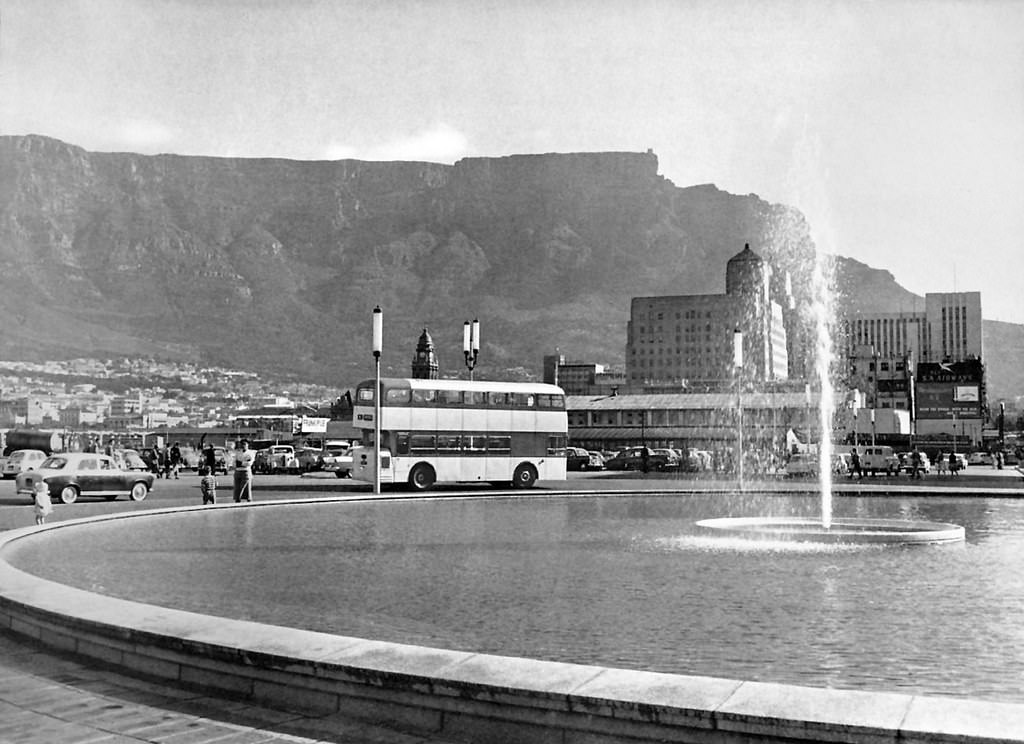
<point>828,529</point>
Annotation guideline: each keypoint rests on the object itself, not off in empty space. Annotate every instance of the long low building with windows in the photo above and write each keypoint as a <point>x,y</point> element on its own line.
<point>701,420</point>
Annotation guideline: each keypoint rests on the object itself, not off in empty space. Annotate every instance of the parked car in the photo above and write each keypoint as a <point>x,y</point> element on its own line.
<point>801,464</point>
<point>132,460</point>
<point>633,459</point>
<point>880,459</point>
<point>576,458</point>
<point>73,474</point>
<point>980,458</point>
<point>308,459</point>
<point>907,465</point>
<point>21,460</point>
<point>1010,457</point>
<point>672,458</point>
<point>220,457</point>
<point>337,459</point>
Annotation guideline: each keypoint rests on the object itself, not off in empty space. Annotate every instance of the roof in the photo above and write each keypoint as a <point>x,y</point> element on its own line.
<point>497,386</point>
<point>690,401</point>
<point>614,433</point>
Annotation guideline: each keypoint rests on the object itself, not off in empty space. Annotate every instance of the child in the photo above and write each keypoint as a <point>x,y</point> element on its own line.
<point>41,502</point>
<point>208,485</point>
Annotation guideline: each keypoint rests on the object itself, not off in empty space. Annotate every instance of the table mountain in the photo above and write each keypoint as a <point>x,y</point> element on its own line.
<point>276,265</point>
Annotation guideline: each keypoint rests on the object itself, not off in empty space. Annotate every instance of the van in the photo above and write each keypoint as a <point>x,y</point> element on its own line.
<point>879,460</point>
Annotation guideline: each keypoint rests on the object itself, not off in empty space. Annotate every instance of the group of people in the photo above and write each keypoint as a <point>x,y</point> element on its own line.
<point>243,460</point>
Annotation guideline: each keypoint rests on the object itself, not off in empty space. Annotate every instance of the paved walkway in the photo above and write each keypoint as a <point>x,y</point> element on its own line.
<point>52,698</point>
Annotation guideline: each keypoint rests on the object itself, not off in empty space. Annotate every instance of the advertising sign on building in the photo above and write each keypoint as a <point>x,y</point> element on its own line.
<point>949,388</point>
<point>313,425</point>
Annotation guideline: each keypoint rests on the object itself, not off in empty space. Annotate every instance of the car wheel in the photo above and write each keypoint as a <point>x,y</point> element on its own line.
<point>524,476</point>
<point>139,491</point>
<point>422,477</point>
<point>341,473</point>
<point>68,495</point>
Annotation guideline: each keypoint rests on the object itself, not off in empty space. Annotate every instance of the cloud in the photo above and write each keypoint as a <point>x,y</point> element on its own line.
<point>439,144</point>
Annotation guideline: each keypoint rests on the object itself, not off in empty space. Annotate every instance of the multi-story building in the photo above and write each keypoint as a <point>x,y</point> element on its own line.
<point>687,340</point>
<point>901,359</point>
<point>581,378</point>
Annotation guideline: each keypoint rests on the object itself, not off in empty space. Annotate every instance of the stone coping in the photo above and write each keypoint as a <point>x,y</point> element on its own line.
<point>464,695</point>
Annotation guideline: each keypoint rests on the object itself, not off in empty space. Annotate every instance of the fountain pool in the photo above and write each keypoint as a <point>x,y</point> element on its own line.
<point>624,581</point>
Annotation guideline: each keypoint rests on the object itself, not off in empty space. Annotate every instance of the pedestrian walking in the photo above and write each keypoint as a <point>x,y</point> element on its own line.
<point>954,464</point>
<point>855,466</point>
<point>175,459</point>
<point>208,485</point>
<point>941,465</point>
<point>915,464</point>
<point>244,458</point>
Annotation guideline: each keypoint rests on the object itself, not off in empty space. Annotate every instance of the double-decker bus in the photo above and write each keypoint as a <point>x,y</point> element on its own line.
<point>505,433</point>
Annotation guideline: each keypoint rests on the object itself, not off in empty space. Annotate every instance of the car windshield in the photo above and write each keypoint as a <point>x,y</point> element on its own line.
<point>16,456</point>
<point>54,463</point>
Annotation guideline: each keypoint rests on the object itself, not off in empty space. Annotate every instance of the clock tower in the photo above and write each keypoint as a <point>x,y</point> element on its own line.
<point>424,364</point>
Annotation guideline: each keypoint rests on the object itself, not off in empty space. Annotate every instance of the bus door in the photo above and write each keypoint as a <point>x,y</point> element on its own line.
<point>474,458</point>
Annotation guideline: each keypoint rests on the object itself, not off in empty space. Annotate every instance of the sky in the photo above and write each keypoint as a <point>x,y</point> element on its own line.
<point>896,127</point>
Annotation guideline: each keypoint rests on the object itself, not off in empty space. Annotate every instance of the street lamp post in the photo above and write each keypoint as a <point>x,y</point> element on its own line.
<point>471,344</point>
<point>737,363</point>
<point>378,343</point>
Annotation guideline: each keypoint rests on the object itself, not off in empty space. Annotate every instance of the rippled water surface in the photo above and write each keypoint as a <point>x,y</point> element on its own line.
<point>625,581</point>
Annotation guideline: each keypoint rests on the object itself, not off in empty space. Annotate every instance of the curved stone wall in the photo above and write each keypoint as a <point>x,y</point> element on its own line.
<point>464,695</point>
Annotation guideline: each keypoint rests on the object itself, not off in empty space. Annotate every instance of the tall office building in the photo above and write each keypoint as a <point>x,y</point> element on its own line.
<point>687,340</point>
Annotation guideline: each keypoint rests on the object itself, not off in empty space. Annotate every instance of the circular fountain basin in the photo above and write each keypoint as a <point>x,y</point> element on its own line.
<point>847,531</point>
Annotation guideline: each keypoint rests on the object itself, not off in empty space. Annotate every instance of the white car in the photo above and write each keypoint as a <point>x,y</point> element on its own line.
<point>21,460</point>
<point>802,464</point>
<point>979,458</point>
<point>337,459</point>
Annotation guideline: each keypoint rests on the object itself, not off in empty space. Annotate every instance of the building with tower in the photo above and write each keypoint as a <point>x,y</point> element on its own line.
<point>686,341</point>
<point>424,363</point>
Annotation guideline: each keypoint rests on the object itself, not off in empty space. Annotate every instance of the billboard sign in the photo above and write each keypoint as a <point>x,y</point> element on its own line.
<point>945,390</point>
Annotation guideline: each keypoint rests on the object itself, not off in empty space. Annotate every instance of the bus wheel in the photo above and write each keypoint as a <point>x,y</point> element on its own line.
<point>421,477</point>
<point>524,476</point>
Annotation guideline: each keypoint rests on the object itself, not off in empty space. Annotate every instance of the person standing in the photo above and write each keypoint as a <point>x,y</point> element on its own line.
<point>244,458</point>
<point>41,503</point>
<point>208,485</point>
<point>175,459</point>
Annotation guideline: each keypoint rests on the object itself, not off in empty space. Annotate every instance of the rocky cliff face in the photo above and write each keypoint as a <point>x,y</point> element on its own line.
<point>277,264</point>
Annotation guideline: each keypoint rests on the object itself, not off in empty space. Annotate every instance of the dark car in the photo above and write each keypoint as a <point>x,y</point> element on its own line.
<point>73,474</point>
<point>576,458</point>
<point>633,459</point>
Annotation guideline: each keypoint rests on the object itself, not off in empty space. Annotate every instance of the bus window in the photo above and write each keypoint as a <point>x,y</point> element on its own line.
<point>499,445</point>
<point>556,444</point>
<point>523,400</point>
<point>476,445</point>
<point>449,397</point>
<point>421,443</point>
<point>551,401</point>
<point>397,396</point>
<point>402,443</point>
<point>424,396</point>
<point>365,395</point>
<point>496,399</point>
<point>448,443</point>
<point>475,398</point>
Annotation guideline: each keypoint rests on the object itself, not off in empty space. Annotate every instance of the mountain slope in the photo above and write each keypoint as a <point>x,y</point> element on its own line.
<point>276,264</point>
